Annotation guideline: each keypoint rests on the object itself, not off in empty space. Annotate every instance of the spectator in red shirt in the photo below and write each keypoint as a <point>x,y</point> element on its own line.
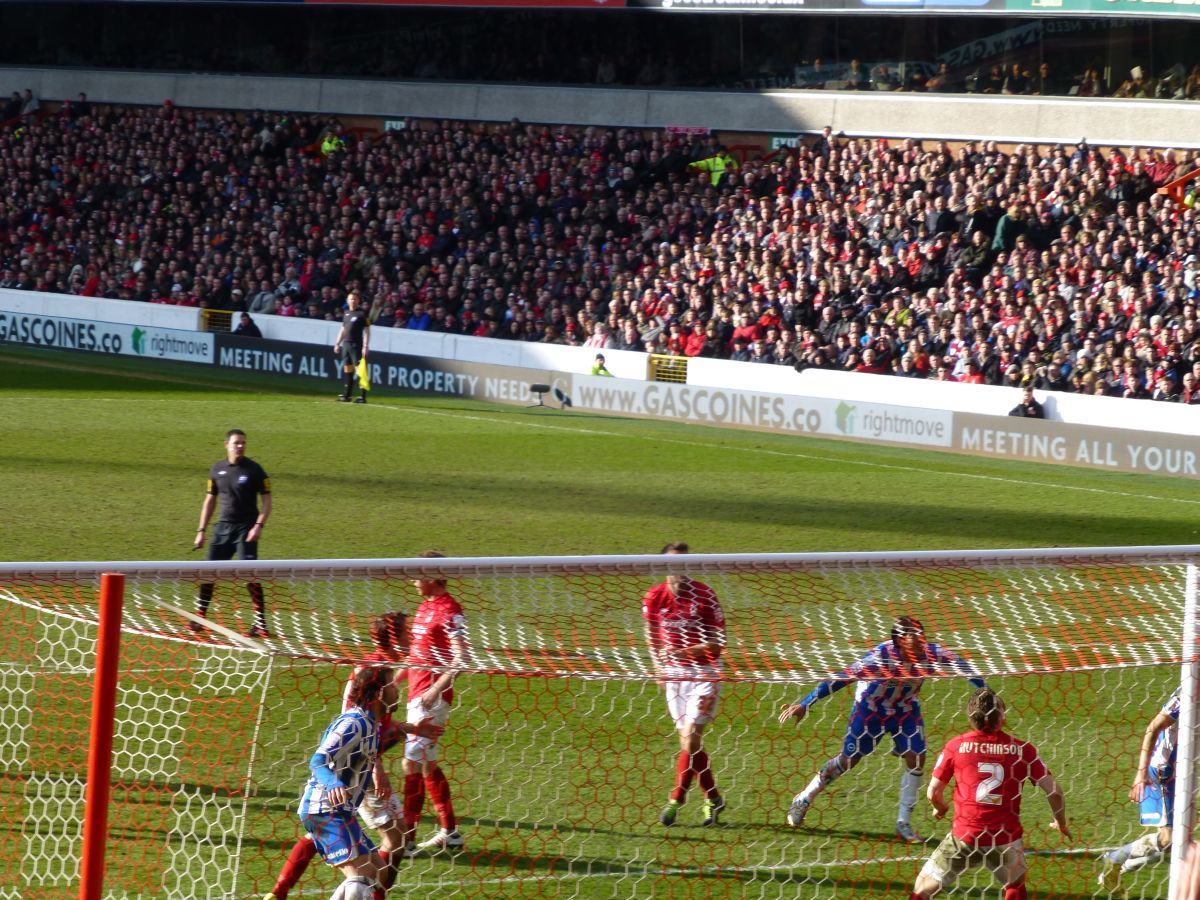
<point>694,343</point>
<point>747,329</point>
<point>988,767</point>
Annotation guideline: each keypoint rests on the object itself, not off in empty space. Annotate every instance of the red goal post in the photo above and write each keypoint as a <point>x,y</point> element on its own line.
<point>560,750</point>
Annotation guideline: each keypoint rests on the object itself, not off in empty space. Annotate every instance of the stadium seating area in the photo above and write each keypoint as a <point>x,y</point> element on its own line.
<point>1061,267</point>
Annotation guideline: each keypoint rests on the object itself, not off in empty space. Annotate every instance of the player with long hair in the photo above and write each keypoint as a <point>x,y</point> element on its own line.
<point>988,768</point>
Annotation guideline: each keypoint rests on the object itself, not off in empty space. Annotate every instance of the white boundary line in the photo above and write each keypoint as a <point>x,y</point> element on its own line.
<point>811,456</point>
<point>646,872</point>
<point>239,640</point>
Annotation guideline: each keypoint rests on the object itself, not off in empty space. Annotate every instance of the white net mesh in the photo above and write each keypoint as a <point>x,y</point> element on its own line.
<point>560,750</point>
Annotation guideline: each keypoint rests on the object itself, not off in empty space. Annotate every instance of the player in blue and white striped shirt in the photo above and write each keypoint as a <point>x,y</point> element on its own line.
<point>886,701</point>
<point>1154,792</point>
<point>343,770</point>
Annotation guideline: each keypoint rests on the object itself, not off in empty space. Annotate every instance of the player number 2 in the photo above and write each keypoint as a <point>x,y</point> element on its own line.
<point>985,791</point>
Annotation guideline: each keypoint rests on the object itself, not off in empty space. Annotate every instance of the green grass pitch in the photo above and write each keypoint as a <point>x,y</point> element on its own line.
<point>106,459</point>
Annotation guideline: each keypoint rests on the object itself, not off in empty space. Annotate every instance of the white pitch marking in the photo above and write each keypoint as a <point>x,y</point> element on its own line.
<point>811,456</point>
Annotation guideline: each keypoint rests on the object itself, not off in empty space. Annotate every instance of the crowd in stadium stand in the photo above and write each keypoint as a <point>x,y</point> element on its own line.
<point>1057,267</point>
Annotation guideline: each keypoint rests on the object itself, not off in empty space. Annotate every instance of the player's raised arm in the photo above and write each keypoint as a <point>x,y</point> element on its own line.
<point>847,676</point>
<point>952,660</point>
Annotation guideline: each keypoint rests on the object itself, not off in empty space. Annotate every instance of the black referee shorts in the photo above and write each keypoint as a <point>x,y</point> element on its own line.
<point>229,538</point>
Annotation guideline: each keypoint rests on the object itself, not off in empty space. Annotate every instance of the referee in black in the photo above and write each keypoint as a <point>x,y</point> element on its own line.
<point>351,345</point>
<point>237,480</point>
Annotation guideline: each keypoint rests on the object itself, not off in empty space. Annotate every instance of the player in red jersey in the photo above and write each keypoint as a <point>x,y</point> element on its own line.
<point>685,630</point>
<point>380,808</point>
<point>988,767</point>
<point>439,639</point>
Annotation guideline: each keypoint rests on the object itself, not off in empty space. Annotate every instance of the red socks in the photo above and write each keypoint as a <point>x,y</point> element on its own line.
<point>414,802</point>
<point>439,792</point>
<point>689,766</point>
<point>704,772</point>
<point>293,870</point>
<point>1016,892</point>
<point>683,776</point>
<point>387,874</point>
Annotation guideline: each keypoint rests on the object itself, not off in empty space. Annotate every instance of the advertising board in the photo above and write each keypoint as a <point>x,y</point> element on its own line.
<point>112,338</point>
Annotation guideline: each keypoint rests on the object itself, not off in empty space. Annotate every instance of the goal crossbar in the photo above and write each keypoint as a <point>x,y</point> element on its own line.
<point>633,564</point>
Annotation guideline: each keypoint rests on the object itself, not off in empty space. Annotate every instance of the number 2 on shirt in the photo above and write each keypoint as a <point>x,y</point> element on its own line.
<point>985,791</point>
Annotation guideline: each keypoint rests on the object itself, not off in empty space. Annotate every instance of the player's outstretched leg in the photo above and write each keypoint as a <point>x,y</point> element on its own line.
<point>910,785</point>
<point>1128,858</point>
<point>1147,849</point>
<point>293,870</point>
<point>830,772</point>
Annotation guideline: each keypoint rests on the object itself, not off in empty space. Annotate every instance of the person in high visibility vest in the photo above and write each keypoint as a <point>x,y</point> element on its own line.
<point>331,144</point>
<point>716,165</point>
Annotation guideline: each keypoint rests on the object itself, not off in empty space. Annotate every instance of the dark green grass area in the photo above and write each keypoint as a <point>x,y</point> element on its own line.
<point>558,782</point>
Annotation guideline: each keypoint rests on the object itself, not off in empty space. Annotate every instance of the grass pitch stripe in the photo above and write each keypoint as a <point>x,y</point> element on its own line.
<point>814,457</point>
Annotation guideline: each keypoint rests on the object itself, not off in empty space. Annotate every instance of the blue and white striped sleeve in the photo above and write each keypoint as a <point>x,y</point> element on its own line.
<point>842,679</point>
<point>953,660</point>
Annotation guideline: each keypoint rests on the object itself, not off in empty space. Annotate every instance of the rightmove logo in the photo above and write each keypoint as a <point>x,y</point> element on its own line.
<point>139,341</point>
<point>845,418</point>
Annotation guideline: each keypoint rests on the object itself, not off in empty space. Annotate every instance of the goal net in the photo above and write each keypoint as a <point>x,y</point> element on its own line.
<point>560,752</point>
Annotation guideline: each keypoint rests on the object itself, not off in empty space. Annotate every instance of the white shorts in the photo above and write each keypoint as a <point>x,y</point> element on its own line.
<point>377,813</point>
<point>693,702</point>
<point>419,749</point>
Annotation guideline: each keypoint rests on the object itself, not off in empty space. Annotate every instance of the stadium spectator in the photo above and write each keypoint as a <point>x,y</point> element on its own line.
<point>1154,791</point>
<point>886,701</point>
<point>1044,83</point>
<point>439,639</point>
<point>988,768</point>
<point>29,104</point>
<point>351,347</point>
<point>12,108</point>
<point>1017,81</point>
<point>1029,407</point>
<point>246,327</point>
<point>616,229</point>
<point>238,481</point>
<point>685,632</point>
